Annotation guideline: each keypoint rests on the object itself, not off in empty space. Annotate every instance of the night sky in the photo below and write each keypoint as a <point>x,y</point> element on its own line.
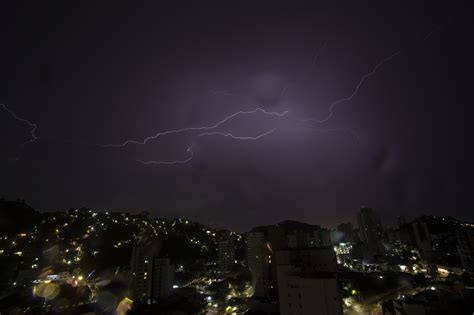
<point>95,73</point>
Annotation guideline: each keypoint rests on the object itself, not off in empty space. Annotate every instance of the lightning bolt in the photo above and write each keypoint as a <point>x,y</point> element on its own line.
<point>191,153</point>
<point>218,133</point>
<point>219,123</point>
<point>355,91</point>
<point>29,123</point>
<point>330,114</point>
<point>439,27</point>
<point>189,150</point>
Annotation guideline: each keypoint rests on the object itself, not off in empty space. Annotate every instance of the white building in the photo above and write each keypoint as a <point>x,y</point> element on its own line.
<point>307,282</point>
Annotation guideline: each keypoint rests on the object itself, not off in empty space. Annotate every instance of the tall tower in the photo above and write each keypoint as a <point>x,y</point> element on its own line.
<point>307,281</point>
<point>225,254</point>
<point>264,241</point>
<point>347,231</point>
<point>257,254</point>
<point>152,276</point>
<point>370,227</point>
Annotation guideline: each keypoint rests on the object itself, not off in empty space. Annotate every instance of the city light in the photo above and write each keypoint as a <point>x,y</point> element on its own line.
<point>207,275</point>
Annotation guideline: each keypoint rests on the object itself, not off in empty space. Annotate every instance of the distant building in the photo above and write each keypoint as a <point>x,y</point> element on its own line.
<point>348,233</point>
<point>370,227</point>
<point>225,254</point>
<point>152,276</point>
<point>307,282</point>
<point>436,238</point>
<point>465,240</point>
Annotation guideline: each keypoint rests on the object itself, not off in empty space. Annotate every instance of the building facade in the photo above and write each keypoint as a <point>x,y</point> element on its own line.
<point>348,233</point>
<point>152,276</point>
<point>370,227</point>
<point>307,282</point>
<point>257,254</point>
<point>262,244</point>
<point>225,254</point>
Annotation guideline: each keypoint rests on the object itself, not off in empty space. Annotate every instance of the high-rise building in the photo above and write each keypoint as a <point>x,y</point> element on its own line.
<point>264,241</point>
<point>257,253</point>
<point>370,228</point>
<point>307,282</point>
<point>336,237</point>
<point>225,254</point>
<point>152,276</point>
<point>348,234</point>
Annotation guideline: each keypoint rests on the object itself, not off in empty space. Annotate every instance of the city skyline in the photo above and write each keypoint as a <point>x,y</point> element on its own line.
<point>112,263</point>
